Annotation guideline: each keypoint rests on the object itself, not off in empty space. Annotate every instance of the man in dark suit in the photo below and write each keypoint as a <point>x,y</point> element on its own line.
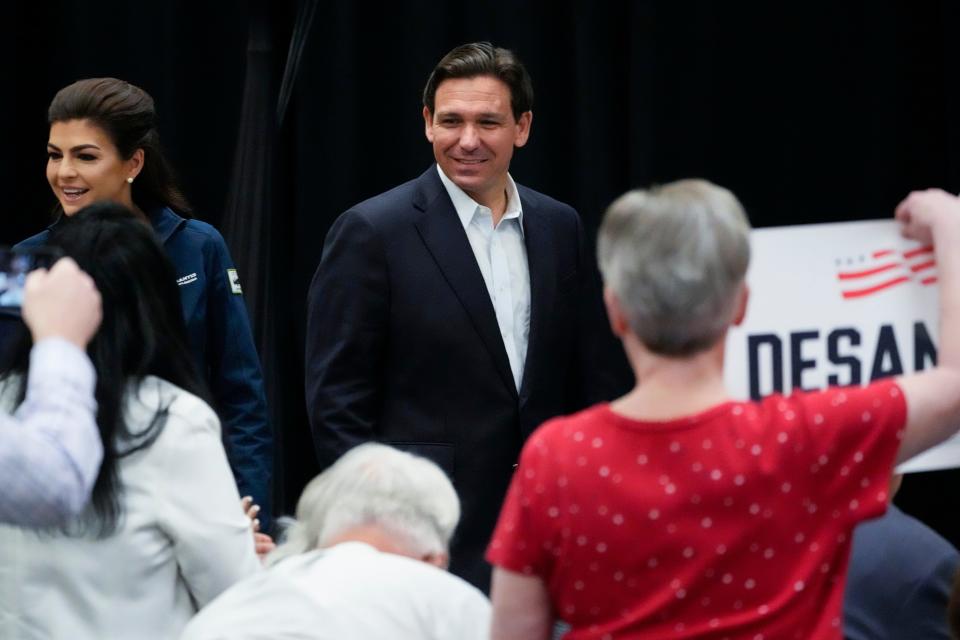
<point>899,579</point>
<point>451,315</point>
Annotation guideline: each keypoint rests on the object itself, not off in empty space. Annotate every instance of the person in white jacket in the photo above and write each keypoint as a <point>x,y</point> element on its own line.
<point>164,533</point>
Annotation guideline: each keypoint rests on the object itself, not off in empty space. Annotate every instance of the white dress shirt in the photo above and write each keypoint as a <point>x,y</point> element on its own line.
<point>50,448</point>
<point>502,257</point>
<point>350,591</point>
<point>182,539</point>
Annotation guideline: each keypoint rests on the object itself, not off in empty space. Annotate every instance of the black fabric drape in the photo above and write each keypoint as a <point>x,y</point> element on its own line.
<point>188,56</point>
<point>253,227</point>
<point>809,112</point>
<point>298,41</point>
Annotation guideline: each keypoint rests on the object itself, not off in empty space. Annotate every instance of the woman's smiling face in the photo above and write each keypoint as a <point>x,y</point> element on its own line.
<point>84,166</point>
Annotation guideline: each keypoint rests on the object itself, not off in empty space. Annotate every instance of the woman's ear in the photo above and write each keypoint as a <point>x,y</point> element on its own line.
<point>135,164</point>
<point>615,314</point>
<point>742,297</point>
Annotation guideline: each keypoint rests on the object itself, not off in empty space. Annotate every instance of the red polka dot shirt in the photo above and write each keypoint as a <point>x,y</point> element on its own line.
<point>732,523</point>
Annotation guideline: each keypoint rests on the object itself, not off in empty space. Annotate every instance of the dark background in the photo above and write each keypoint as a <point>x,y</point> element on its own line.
<point>809,112</point>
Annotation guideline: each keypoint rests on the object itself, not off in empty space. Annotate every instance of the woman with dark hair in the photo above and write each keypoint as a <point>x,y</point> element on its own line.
<point>163,534</point>
<point>104,145</point>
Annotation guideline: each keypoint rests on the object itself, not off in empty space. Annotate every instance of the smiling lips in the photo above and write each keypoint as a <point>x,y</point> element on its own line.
<point>72,194</point>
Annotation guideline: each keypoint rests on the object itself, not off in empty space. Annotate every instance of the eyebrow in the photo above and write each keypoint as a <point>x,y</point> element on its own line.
<point>493,115</point>
<point>79,147</point>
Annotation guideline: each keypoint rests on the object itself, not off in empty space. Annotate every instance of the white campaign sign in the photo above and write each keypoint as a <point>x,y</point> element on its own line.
<point>840,303</point>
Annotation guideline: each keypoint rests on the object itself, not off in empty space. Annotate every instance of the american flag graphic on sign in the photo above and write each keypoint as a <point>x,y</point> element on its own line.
<point>883,269</point>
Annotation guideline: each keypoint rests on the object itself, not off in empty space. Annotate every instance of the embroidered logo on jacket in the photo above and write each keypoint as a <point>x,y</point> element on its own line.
<point>234,280</point>
<point>187,279</point>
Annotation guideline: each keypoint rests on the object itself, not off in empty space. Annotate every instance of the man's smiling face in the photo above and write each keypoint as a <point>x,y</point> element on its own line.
<point>474,132</point>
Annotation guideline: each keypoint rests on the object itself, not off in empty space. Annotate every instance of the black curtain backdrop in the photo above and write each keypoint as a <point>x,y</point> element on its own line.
<point>189,56</point>
<point>248,221</point>
<point>810,112</point>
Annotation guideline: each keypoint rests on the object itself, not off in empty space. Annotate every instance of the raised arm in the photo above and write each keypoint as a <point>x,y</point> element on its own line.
<point>50,450</point>
<point>933,397</point>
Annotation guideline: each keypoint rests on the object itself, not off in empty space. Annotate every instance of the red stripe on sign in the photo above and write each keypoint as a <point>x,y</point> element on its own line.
<point>929,280</point>
<point>882,253</point>
<point>922,266</point>
<point>913,253</point>
<point>859,293</point>
<point>852,275</point>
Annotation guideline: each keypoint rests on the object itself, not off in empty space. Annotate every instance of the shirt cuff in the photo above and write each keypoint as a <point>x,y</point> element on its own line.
<point>58,361</point>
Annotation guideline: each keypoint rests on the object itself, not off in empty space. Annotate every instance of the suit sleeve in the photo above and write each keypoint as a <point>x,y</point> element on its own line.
<point>601,372</point>
<point>236,380</point>
<point>347,322</point>
<point>923,612</point>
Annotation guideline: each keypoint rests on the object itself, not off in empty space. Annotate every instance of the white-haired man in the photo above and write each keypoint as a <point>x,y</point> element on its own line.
<point>366,559</point>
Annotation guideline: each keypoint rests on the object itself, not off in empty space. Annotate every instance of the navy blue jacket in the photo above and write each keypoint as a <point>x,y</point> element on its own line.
<point>899,581</point>
<point>221,339</point>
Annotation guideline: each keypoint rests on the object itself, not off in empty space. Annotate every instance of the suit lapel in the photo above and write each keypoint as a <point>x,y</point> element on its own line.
<point>542,287</point>
<point>445,239</point>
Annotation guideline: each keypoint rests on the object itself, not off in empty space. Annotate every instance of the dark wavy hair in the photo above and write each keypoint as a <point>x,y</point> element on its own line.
<point>142,334</point>
<point>127,115</point>
<point>483,59</point>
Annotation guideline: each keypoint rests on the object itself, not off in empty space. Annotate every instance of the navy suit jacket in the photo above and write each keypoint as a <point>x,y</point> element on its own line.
<point>899,581</point>
<point>403,345</point>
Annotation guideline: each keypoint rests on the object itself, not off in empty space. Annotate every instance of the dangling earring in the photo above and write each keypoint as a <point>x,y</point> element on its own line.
<point>129,180</point>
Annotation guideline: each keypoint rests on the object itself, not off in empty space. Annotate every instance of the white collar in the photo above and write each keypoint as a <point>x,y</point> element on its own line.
<point>466,206</point>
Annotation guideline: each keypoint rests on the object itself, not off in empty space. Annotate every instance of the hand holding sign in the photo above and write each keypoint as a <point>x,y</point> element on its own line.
<point>847,303</point>
<point>921,210</point>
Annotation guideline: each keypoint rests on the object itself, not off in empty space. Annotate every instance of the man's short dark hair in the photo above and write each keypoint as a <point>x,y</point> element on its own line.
<point>483,59</point>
